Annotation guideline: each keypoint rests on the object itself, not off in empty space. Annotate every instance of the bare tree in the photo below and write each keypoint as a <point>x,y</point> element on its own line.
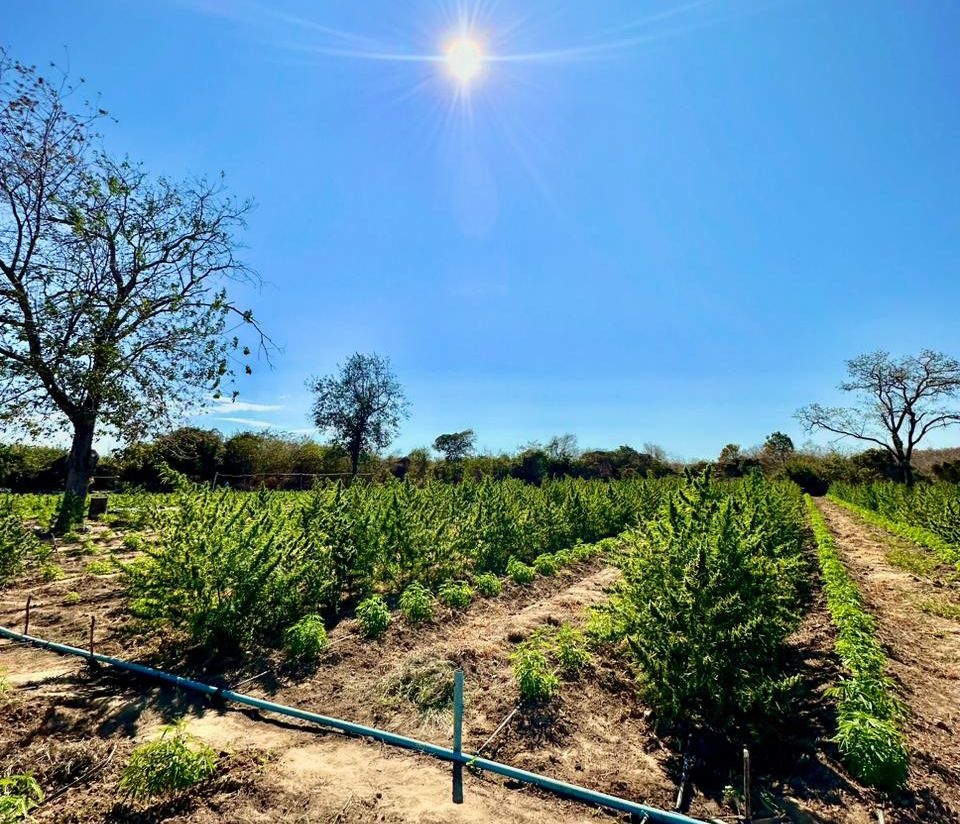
<point>361,406</point>
<point>899,402</point>
<point>113,313</point>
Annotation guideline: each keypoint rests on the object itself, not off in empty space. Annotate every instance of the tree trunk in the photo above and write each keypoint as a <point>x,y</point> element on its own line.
<point>907,470</point>
<point>355,458</point>
<point>79,470</point>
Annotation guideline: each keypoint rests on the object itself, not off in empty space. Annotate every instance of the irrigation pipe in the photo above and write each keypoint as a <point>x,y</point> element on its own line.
<point>442,753</point>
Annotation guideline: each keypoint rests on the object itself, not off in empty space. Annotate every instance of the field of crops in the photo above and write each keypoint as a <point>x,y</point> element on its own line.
<point>705,585</point>
<point>926,513</point>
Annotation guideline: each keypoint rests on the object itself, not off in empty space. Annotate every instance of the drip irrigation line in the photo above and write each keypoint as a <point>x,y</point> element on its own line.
<point>348,727</point>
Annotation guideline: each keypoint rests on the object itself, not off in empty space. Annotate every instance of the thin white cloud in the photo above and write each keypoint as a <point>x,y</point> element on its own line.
<point>225,406</point>
<point>246,421</point>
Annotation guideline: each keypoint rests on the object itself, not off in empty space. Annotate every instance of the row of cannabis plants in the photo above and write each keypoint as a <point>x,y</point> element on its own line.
<point>236,568</point>
<point>868,713</point>
<point>912,511</point>
<point>711,588</point>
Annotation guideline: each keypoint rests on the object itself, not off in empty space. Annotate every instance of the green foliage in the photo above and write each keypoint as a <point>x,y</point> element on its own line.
<point>16,541</point>
<point>133,541</point>
<point>868,714</point>
<point>373,616</point>
<point>546,564</point>
<point>230,569</point>
<point>19,794</point>
<point>174,762</point>
<point>537,681</point>
<point>570,648</point>
<point>709,594</point>
<point>51,572</point>
<point>306,639</point>
<point>519,572</point>
<point>488,584</point>
<point>455,594</point>
<point>928,515</point>
<point>102,566</point>
<point>416,603</point>
<point>71,598</point>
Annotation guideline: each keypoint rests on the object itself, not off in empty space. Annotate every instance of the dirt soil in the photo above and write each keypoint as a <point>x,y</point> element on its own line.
<point>69,721</point>
<point>924,653</point>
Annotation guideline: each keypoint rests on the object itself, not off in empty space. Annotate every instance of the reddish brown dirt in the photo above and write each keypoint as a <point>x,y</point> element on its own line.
<point>924,653</point>
<point>67,717</point>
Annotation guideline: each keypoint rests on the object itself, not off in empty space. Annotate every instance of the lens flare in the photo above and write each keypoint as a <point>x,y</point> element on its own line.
<point>464,59</point>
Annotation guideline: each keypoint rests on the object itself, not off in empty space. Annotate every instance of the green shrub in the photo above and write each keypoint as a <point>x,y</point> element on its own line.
<point>488,584</point>
<point>519,572</point>
<point>174,762</point>
<point>416,603</point>
<point>373,616</point>
<point>537,682</point>
<point>133,541</point>
<point>873,748</point>
<point>709,594</point>
<point>16,541</point>
<point>19,794</point>
<point>51,572</point>
<point>455,594</point>
<point>570,648</point>
<point>546,564</point>
<point>102,566</point>
<point>306,639</point>
<point>72,597</point>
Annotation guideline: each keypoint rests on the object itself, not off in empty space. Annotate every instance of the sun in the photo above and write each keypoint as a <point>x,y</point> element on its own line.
<point>464,58</point>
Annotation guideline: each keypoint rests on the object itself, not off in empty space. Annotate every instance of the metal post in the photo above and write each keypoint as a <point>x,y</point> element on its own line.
<point>747,813</point>
<point>26,617</point>
<point>458,735</point>
<point>93,623</point>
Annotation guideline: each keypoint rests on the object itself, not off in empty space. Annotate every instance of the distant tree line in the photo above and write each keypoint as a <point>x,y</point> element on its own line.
<point>249,460</point>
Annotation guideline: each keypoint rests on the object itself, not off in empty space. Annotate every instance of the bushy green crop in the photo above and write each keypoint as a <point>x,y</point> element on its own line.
<point>16,541</point>
<point>709,594</point>
<point>373,616</point>
<point>546,564</point>
<point>19,794</point>
<point>519,572</point>
<point>537,681</point>
<point>488,584</point>
<point>306,639</point>
<point>416,603</point>
<point>174,762</point>
<point>455,594</point>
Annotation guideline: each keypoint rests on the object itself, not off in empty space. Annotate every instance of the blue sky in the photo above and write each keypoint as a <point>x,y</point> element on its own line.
<point>672,226</point>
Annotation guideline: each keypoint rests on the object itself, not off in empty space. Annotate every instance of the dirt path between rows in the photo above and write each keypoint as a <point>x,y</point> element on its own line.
<point>924,653</point>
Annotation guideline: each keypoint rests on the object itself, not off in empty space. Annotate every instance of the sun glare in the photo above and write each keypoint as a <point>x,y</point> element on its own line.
<point>464,58</point>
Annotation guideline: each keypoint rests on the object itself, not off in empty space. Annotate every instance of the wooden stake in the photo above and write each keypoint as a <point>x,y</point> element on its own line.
<point>746,785</point>
<point>26,617</point>
<point>93,623</point>
<point>457,735</point>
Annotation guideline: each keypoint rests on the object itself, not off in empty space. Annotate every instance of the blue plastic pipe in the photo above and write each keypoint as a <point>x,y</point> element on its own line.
<point>443,753</point>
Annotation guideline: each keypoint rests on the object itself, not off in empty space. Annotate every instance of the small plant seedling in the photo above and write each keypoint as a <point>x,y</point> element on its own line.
<point>71,598</point>
<point>520,572</point>
<point>570,648</point>
<point>51,572</point>
<point>537,682</point>
<point>174,762</point>
<point>306,639</point>
<point>373,616</point>
<point>19,794</point>
<point>488,584</point>
<point>456,594</point>
<point>102,566</point>
<point>416,603</point>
